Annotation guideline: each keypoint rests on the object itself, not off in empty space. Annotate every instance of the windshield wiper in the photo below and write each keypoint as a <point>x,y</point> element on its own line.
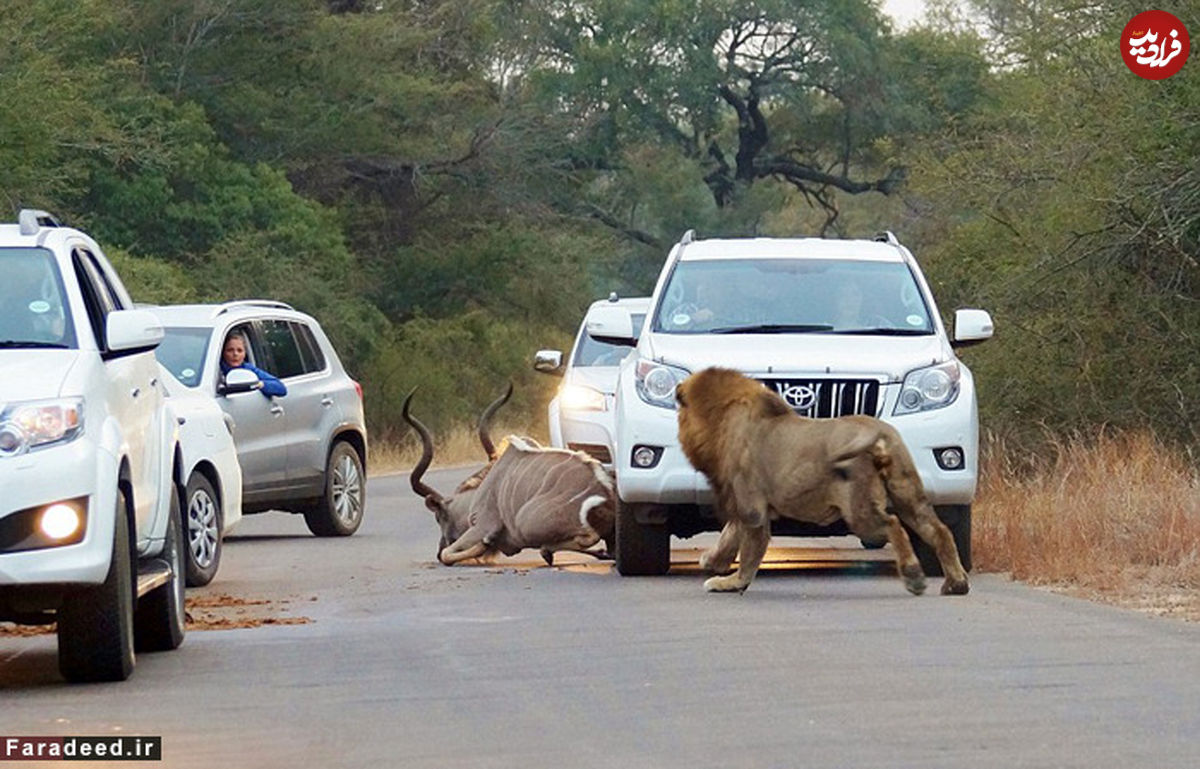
<point>884,332</point>
<point>11,344</point>
<point>771,328</point>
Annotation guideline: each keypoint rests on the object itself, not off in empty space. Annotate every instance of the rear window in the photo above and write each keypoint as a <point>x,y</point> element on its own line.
<point>284,350</point>
<point>310,350</point>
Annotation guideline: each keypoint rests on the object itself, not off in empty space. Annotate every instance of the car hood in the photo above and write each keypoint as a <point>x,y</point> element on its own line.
<point>35,374</point>
<point>602,378</point>
<point>800,354</point>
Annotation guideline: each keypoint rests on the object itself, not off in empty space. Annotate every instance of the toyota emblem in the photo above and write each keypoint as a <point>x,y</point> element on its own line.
<point>799,396</point>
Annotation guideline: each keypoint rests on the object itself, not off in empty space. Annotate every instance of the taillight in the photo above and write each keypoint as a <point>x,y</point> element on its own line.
<point>357,388</point>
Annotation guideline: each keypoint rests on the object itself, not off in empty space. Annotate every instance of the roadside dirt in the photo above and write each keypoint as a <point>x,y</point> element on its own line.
<point>209,611</point>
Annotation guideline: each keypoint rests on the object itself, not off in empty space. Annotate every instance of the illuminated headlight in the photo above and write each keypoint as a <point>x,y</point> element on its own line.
<point>31,425</point>
<point>929,388</point>
<point>60,521</point>
<point>574,397</point>
<point>655,382</point>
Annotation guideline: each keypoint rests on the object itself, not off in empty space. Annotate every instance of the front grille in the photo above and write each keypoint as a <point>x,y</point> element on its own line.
<point>599,452</point>
<point>824,398</point>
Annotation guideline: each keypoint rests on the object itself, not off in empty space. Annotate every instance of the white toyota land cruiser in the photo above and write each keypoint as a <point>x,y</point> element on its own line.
<point>836,327</point>
<point>89,511</point>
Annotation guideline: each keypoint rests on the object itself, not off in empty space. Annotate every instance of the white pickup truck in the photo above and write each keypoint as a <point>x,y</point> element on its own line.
<point>89,499</point>
<point>836,327</point>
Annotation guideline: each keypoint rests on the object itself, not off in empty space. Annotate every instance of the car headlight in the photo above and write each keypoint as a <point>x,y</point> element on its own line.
<point>575,397</point>
<point>29,425</point>
<point>655,382</point>
<point>933,387</point>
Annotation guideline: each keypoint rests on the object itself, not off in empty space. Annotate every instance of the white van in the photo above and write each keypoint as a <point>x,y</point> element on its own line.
<point>89,510</point>
<point>836,327</point>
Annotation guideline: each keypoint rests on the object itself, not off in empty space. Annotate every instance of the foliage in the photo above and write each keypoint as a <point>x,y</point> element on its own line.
<point>447,184</point>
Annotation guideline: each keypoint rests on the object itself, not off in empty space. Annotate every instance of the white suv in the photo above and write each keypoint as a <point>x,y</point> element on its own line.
<point>89,507</point>
<point>836,327</point>
<point>581,413</point>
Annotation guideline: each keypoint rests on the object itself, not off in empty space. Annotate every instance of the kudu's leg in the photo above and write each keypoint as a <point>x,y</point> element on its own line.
<point>470,545</point>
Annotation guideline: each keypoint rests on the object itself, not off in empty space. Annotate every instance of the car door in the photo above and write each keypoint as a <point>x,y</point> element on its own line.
<point>134,395</point>
<point>310,403</point>
<point>259,422</point>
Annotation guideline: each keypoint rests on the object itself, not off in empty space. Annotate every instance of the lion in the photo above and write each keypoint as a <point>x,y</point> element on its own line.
<point>764,462</point>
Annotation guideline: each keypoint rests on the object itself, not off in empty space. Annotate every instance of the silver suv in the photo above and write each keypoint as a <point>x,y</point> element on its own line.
<point>305,452</point>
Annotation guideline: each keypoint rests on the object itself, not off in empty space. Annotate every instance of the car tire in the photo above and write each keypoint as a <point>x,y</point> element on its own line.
<point>339,512</point>
<point>202,522</point>
<point>159,621</point>
<point>642,549</point>
<point>958,519</point>
<point>95,624</point>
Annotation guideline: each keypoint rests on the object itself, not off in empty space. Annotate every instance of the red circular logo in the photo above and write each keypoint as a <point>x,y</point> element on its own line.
<point>1155,45</point>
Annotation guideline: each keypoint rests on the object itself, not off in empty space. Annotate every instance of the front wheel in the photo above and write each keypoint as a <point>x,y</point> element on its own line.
<point>159,623</point>
<point>95,623</point>
<point>339,512</point>
<point>202,519</point>
<point>642,549</point>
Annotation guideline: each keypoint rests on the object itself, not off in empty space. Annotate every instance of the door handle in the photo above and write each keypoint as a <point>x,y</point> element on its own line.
<point>136,392</point>
<point>327,401</point>
<point>277,410</point>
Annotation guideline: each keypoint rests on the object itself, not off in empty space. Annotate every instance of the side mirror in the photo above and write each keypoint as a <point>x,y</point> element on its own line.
<point>132,331</point>
<point>239,380</point>
<point>971,327</point>
<point>548,362</point>
<point>612,325</point>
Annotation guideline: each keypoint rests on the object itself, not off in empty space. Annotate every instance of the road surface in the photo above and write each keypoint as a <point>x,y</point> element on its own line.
<point>392,660</point>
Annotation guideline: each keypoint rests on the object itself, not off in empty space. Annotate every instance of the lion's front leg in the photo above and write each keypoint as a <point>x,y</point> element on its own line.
<point>754,541</point>
<point>719,558</point>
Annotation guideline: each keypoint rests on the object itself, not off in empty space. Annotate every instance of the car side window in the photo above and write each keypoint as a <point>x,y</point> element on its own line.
<point>281,344</point>
<point>96,297</point>
<point>114,296</point>
<point>310,350</point>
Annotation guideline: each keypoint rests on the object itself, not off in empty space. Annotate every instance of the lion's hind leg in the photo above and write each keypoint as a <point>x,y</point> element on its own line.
<point>867,516</point>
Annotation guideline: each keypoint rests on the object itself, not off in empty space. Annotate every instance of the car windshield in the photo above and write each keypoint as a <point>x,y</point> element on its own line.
<point>182,353</point>
<point>773,296</point>
<point>33,306</point>
<point>591,352</point>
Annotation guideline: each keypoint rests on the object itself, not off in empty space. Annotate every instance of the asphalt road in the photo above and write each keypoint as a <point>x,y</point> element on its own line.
<point>826,661</point>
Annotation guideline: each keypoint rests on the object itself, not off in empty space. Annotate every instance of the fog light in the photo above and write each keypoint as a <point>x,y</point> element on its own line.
<point>60,521</point>
<point>646,456</point>
<point>950,458</point>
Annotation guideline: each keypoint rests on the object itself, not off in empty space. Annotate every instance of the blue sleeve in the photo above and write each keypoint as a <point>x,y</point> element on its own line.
<point>270,383</point>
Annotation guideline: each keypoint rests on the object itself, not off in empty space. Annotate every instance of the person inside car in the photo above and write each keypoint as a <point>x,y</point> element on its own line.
<point>234,356</point>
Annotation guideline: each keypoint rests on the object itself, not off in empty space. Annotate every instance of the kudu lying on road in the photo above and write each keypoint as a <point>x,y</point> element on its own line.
<point>526,495</point>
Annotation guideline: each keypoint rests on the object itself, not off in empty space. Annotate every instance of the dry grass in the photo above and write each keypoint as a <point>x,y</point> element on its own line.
<point>1115,518</point>
<point>459,446</point>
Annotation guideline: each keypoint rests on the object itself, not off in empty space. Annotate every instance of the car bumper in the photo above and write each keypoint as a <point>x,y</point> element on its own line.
<point>76,470</point>
<point>673,480</point>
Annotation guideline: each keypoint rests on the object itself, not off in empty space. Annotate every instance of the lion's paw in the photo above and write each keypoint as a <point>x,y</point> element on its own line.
<point>951,587</point>
<point>914,579</point>
<point>724,585</point>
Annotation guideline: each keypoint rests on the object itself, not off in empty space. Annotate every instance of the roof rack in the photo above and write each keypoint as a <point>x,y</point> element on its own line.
<point>688,237</point>
<point>32,220</point>
<point>887,236</point>
<point>239,303</point>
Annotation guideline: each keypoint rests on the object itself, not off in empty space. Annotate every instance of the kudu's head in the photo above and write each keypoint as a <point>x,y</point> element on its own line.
<point>453,512</point>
